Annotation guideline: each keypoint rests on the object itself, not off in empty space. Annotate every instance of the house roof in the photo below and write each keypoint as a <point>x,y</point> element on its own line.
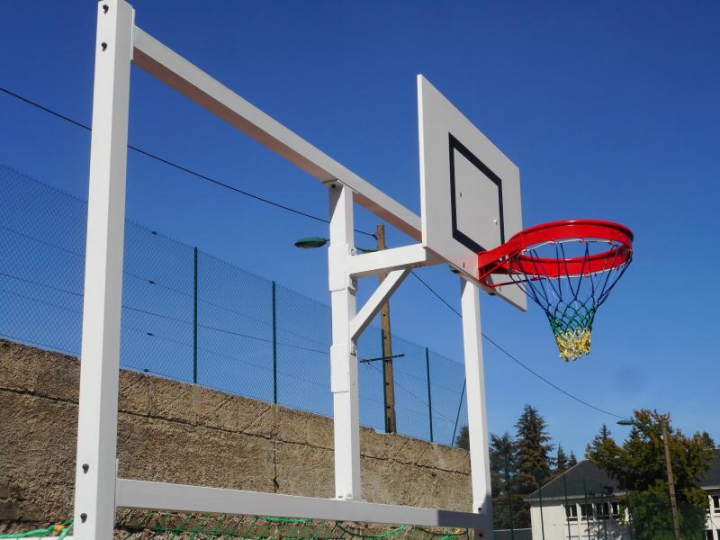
<point>583,478</point>
<point>712,478</point>
<point>587,480</point>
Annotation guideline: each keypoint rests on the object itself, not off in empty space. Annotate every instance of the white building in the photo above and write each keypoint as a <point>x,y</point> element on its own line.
<point>583,504</point>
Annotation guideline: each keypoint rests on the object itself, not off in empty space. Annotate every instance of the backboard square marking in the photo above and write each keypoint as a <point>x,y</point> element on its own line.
<point>462,215</point>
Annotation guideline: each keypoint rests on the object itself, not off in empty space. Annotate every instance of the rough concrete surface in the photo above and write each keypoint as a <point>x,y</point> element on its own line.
<point>174,432</point>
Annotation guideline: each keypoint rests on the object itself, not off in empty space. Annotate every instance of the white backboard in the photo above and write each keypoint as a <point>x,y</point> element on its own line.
<point>470,191</point>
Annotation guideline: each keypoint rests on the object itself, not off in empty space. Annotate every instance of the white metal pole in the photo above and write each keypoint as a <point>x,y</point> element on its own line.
<point>477,415</point>
<point>96,471</point>
<point>343,354</point>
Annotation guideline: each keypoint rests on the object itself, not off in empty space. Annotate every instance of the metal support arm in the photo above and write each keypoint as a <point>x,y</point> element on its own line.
<point>378,262</point>
<point>375,303</point>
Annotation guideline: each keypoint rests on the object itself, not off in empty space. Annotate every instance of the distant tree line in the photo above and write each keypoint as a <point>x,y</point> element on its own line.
<point>521,463</point>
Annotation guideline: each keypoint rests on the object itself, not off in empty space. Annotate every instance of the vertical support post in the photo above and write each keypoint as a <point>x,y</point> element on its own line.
<point>508,487</point>
<point>477,415</point>
<point>387,351</point>
<point>457,416</point>
<point>274,342</point>
<point>606,515</point>
<point>630,516</point>
<point>542,515</point>
<point>96,467</point>
<point>427,371</point>
<point>567,516</point>
<point>343,353</point>
<point>588,510</point>
<point>384,382</point>
<point>195,315</point>
<point>671,480</point>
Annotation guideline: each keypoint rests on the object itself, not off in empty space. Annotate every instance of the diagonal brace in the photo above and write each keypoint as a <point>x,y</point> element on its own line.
<point>376,301</point>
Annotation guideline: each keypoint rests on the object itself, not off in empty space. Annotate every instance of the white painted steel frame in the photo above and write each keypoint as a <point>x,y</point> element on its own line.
<point>343,352</point>
<point>95,468</point>
<point>119,43</point>
<point>374,304</point>
<point>184,498</point>
<point>476,406</point>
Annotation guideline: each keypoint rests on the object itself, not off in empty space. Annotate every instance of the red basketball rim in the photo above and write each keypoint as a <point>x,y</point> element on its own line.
<point>510,257</point>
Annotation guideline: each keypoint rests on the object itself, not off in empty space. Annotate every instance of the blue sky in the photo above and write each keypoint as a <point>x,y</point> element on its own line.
<point>610,109</point>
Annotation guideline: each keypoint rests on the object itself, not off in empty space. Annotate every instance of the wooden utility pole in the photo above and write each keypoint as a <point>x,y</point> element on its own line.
<point>388,375</point>
<point>671,481</point>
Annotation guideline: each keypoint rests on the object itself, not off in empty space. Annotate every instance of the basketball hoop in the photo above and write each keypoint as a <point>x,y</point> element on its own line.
<point>568,268</point>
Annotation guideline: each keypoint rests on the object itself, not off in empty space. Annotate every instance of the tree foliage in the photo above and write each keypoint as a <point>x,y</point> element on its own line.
<point>561,460</point>
<point>463,438</point>
<point>503,462</point>
<point>534,464</point>
<point>598,440</point>
<point>533,449</point>
<point>518,466</point>
<point>639,466</point>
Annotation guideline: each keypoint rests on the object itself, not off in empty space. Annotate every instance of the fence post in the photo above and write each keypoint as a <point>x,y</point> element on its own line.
<point>457,416</point>
<point>567,516</point>
<point>606,516</point>
<point>195,315</point>
<point>274,341</point>
<point>508,487</point>
<point>427,369</point>
<point>631,524</point>
<point>542,517</point>
<point>588,510</point>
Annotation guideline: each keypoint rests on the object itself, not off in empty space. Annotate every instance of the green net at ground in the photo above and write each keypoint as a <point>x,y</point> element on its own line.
<point>163,525</point>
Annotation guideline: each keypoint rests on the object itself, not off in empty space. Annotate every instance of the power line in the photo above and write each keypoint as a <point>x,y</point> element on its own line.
<point>515,359</point>
<point>179,167</point>
<point>436,294</point>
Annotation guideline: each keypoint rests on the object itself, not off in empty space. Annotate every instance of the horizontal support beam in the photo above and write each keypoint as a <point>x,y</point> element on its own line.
<point>378,262</point>
<point>376,301</point>
<point>183,498</point>
<point>188,79</point>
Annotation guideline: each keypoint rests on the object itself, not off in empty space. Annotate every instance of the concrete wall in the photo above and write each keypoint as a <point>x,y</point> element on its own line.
<point>169,431</point>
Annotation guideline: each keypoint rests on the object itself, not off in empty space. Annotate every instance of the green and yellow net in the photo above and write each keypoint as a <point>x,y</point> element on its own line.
<point>569,300</point>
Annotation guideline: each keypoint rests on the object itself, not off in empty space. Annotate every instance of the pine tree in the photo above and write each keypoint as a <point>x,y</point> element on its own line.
<point>639,466</point>
<point>572,461</point>
<point>502,472</point>
<point>463,438</point>
<point>561,462</point>
<point>598,441</point>
<point>534,463</point>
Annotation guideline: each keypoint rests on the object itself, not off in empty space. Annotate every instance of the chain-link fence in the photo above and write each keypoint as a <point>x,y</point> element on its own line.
<point>192,317</point>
